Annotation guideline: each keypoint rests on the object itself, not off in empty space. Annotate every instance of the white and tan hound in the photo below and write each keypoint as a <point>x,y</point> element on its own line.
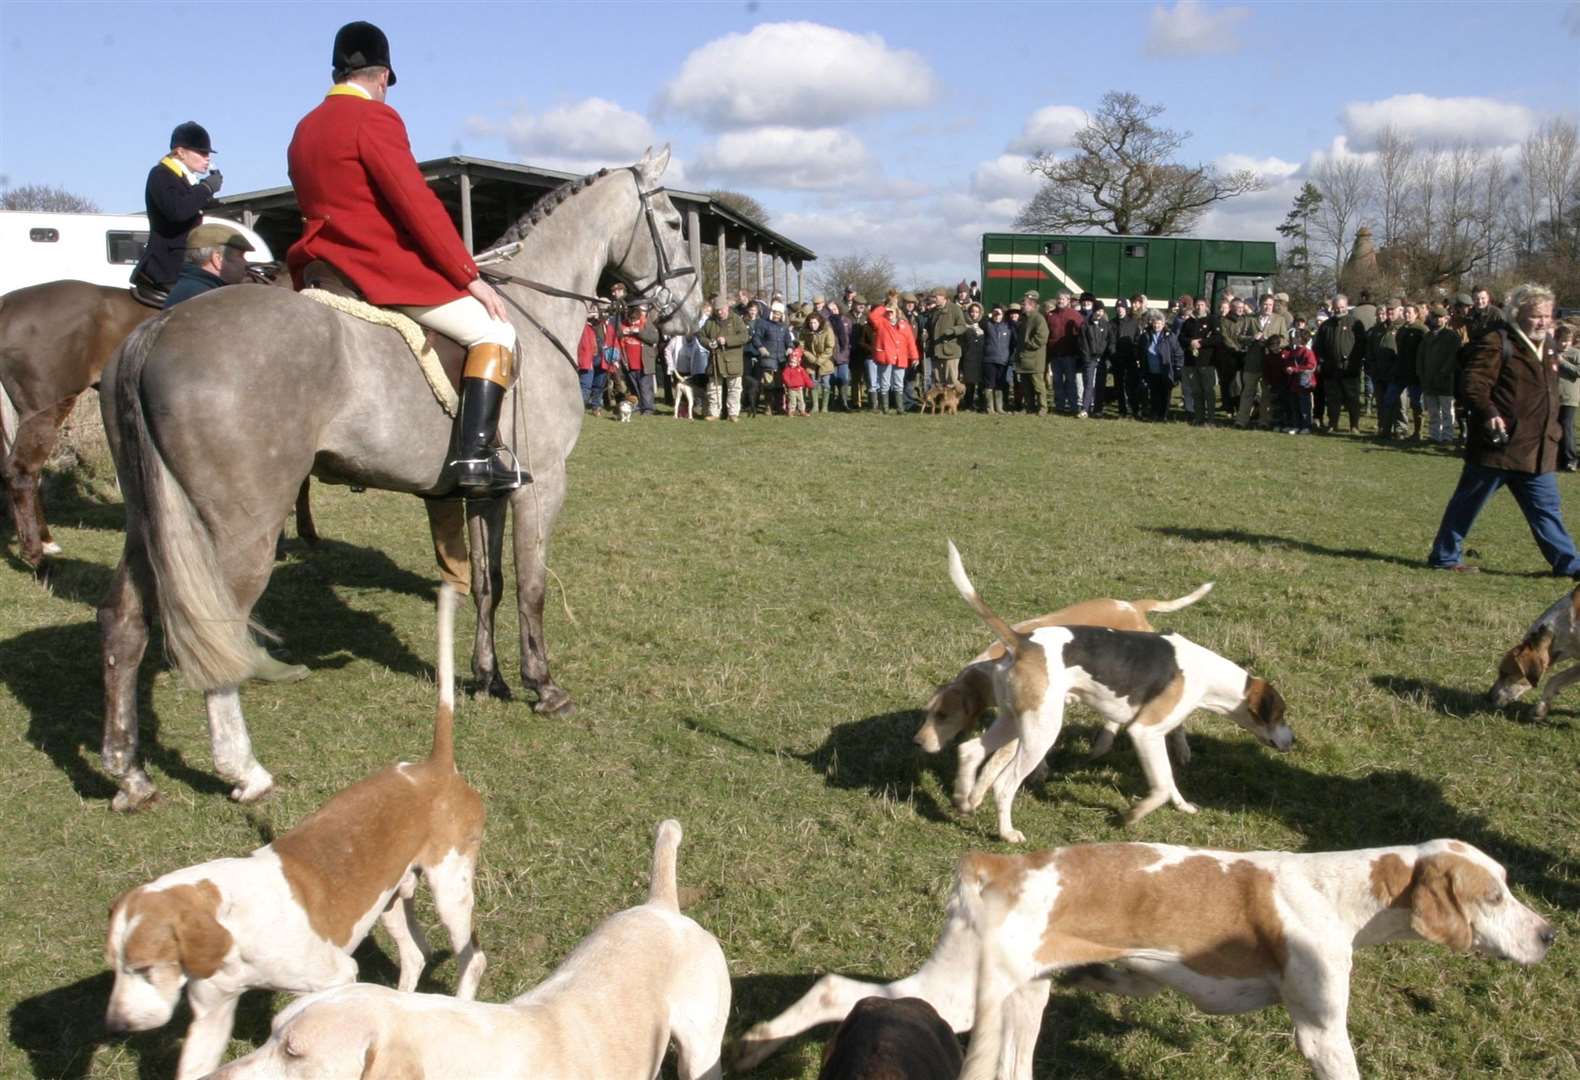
<point>288,916</point>
<point>1146,683</point>
<point>1232,931</point>
<point>645,978</point>
<point>961,704</point>
<point>1552,638</point>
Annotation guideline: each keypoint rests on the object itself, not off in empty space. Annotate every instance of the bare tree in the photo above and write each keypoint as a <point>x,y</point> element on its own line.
<point>46,197</point>
<point>870,275</point>
<point>1345,184</point>
<point>1394,175</point>
<point>1122,178</point>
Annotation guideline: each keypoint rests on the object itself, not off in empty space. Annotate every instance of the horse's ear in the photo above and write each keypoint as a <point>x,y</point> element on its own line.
<point>656,168</point>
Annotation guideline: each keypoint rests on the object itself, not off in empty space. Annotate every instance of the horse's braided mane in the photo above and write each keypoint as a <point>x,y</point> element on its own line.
<point>546,205</point>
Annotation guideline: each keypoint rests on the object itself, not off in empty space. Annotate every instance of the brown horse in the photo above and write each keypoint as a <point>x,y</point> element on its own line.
<point>54,341</point>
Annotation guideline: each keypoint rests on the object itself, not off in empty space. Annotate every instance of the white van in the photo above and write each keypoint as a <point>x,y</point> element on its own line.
<point>39,246</point>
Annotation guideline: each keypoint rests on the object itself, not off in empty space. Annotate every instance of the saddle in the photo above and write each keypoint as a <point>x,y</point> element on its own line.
<point>148,293</point>
<point>450,355</point>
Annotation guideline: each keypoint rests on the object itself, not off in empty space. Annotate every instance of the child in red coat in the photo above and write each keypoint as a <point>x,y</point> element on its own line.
<point>797,380</point>
<point>1300,373</point>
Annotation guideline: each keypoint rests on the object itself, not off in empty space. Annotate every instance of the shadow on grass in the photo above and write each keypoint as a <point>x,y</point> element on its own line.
<point>1074,1027</point>
<point>59,1030</point>
<point>877,754</point>
<point>1267,540</point>
<point>54,671</point>
<point>1336,812</point>
<point>1458,702</point>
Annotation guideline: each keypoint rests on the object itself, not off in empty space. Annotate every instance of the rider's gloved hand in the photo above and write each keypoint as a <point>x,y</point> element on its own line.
<point>213,181</point>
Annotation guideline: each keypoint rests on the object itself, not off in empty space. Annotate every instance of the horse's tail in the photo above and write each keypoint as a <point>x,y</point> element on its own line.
<point>207,634</point>
<point>10,419</point>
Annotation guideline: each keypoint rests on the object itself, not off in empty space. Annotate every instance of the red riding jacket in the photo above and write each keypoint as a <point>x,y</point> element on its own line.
<point>366,208</point>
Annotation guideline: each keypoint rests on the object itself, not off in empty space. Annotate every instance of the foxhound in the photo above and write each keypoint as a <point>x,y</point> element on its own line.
<point>960,704</point>
<point>1553,637</point>
<point>646,977</point>
<point>1146,683</point>
<point>1232,931</point>
<point>288,916</point>
<point>884,1039</point>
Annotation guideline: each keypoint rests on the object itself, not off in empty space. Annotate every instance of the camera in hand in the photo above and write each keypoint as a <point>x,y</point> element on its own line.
<point>1498,436</point>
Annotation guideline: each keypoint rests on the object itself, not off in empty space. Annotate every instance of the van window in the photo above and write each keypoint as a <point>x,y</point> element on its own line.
<point>1135,251</point>
<point>125,246</point>
<point>1055,249</point>
<point>43,236</point>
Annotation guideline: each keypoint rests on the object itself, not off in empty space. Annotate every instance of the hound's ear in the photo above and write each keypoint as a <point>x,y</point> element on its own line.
<point>1534,655</point>
<point>393,1061</point>
<point>200,939</point>
<point>1436,911</point>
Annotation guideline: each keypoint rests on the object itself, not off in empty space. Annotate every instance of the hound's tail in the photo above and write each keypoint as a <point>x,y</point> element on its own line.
<point>208,635</point>
<point>661,888</point>
<point>1012,640</point>
<point>444,673</point>
<point>1148,606</point>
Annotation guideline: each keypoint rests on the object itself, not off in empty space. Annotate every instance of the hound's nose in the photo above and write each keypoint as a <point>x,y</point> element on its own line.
<point>1547,935</point>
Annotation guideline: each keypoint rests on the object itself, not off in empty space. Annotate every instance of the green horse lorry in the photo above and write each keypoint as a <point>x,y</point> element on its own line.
<point>1109,267</point>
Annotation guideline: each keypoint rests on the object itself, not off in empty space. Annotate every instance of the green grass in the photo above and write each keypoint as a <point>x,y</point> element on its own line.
<point>759,612</point>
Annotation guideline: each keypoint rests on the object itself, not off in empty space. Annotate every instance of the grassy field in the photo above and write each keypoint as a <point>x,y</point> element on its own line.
<point>750,618</point>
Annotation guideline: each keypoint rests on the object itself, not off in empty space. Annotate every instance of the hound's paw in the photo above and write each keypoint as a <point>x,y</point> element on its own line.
<point>52,548</point>
<point>1186,808</point>
<point>1541,710</point>
<point>1012,836</point>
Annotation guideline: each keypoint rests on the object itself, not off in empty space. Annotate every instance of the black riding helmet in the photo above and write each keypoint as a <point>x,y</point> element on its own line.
<point>360,45</point>
<point>193,136</point>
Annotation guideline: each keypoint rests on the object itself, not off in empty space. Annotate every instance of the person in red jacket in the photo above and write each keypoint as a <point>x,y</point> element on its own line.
<point>369,214</point>
<point>1299,365</point>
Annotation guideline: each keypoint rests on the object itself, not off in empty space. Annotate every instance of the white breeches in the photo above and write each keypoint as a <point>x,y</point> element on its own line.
<point>466,321</point>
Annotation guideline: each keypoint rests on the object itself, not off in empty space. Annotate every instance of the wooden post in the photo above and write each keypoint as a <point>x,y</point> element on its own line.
<point>694,246</point>
<point>466,212</point>
<point>759,264</point>
<point>723,247</point>
<point>798,297</point>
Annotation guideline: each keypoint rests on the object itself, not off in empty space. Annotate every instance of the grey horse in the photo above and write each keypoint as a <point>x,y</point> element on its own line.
<point>219,408</point>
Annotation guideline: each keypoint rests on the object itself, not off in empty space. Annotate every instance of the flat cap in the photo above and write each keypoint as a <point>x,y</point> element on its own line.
<point>217,236</point>
<point>1032,294</point>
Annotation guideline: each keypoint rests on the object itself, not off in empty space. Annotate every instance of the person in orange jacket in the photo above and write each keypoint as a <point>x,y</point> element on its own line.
<point>369,214</point>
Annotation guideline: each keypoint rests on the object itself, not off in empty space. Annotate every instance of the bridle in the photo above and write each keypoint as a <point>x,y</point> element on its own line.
<point>665,302</point>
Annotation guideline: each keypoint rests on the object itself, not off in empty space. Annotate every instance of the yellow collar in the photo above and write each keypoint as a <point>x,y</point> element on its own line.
<point>176,167</point>
<point>349,90</point>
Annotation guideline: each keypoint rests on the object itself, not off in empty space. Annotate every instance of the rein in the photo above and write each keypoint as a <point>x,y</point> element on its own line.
<point>665,302</point>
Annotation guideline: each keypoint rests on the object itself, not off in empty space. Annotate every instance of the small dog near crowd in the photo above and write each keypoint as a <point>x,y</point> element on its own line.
<point>288,916</point>
<point>944,397</point>
<point>644,979</point>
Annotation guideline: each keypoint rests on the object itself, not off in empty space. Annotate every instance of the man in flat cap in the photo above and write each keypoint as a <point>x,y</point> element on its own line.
<point>215,256</point>
<point>1031,354</point>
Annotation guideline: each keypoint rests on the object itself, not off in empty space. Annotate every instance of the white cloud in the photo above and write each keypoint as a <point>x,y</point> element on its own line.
<point>786,157</point>
<point>1051,127</point>
<point>1191,28</point>
<point>1004,177</point>
<point>796,74</point>
<point>1476,120</point>
<point>1271,169</point>
<point>590,130</point>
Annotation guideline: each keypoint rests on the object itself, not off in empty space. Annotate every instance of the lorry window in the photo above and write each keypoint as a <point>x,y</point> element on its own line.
<point>124,246</point>
<point>1135,251</point>
<point>1055,249</point>
<point>43,236</point>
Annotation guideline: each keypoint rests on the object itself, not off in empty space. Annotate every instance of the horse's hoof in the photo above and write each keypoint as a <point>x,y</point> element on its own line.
<point>257,785</point>
<point>135,794</point>
<point>552,701</point>
<point>270,670</point>
<point>491,686</point>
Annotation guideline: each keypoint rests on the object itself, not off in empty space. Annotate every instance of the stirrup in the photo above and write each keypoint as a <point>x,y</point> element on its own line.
<point>486,479</point>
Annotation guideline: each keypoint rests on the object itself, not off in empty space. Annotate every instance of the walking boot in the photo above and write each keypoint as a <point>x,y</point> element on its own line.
<point>899,402</point>
<point>879,399</point>
<point>844,398</point>
<point>480,473</point>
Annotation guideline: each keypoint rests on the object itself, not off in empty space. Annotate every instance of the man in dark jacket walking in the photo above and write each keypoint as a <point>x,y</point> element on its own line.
<point>1096,346</point>
<point>1340,346</point>
<point>175,199</point>
<point>1511,383</point>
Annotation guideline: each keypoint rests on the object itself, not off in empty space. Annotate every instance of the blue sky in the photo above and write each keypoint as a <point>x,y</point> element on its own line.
<point>892,128</point>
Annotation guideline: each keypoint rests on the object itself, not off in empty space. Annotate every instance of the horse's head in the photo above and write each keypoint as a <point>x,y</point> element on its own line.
<point>654,257</point>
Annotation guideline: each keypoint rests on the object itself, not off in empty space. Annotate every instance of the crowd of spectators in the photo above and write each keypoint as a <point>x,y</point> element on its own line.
<point>1250,362</point>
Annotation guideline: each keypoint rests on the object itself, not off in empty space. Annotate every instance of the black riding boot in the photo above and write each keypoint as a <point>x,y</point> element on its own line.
<point>479,471</point>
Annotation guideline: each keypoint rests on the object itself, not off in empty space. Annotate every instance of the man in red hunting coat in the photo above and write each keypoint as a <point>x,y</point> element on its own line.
<point>369,214</point>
